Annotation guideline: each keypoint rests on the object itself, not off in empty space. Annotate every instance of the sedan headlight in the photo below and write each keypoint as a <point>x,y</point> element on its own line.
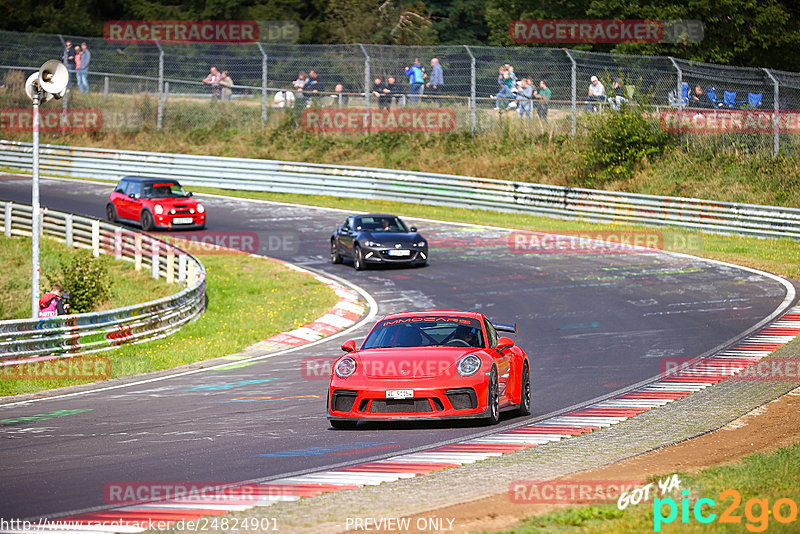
<point>420,244</point>
<point>159,209</point>
<point>371,244</point>
<point>468,365</point>
<point>200,208</point>
<point>345,367</point>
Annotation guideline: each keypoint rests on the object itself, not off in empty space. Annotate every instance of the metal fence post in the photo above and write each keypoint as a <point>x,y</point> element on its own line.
<point>160,114</point>
<point>679,97</point>
<point>166,94</point>
<point>68,232</point>
<point>776,141</point>
<point>263,84</point>
<point>96,238</point>
<point>366,86</point>
<point>7,220</point>
<point>472,92</point>
<point>154,259</point>
<point>105,87</point>
<point>574,96</point>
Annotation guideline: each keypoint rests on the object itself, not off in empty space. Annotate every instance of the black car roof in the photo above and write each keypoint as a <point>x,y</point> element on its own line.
<point>147,179</point>
<point>375,215</point>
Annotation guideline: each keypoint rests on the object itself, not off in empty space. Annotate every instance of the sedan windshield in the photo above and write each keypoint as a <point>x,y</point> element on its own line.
<point>428,331</point>
<point>164,190</point>
<point>386,223</point>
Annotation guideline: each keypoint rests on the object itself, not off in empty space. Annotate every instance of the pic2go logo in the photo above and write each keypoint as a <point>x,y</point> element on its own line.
<point>756,511</point>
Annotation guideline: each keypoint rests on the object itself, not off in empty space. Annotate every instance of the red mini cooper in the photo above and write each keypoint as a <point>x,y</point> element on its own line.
<point>155,203</point>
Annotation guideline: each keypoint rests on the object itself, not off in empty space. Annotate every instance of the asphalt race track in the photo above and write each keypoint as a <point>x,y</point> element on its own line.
<point>591,324</point>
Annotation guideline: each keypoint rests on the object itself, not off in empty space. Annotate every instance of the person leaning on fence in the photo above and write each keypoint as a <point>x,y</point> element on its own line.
<point>436,81</point>
<point>82,73</point>
<point>543,96</point>
<point>312,88</point>
<point>524,98</point>
<point>393,90</point>
<point>380,92</point>
<point>52,303</point>
<point>213,80</point>
<point>68,59</point>
<point>596,93</point>
<point>227,83</point>
<point>507,81</point>
<point>339,98</point>
<point>616,99</point>
<point>416,81</point>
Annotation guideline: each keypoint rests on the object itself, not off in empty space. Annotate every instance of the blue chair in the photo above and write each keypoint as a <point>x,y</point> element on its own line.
<point>672,97</point>
<point>754,99</point>
<point>712,96</point>
<point>729,99</point>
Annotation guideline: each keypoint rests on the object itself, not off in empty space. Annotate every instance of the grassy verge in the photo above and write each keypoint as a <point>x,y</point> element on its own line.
<point>249,299</point>
<point>764,477</point>
<point>129,287</point>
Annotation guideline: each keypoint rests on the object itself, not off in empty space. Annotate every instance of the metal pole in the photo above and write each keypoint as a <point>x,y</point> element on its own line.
<point>160,115</point>
<point>776,141</point>
<point>472,93</point>
<point>105,87</point>
<point>35,221</point>
<point>366,87</point>
<point>263,84</point>
<point>574,71</point>
<point>679,96</point>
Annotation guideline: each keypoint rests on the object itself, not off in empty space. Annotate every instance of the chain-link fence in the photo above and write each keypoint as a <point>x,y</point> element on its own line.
<point>160,86</point>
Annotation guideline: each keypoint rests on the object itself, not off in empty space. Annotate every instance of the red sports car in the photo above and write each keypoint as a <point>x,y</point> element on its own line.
<point>430,365</point>
<point>155,203</point>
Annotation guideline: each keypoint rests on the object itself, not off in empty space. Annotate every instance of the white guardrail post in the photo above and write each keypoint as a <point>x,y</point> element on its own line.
<point>82,333</point>
<point>414,187</point>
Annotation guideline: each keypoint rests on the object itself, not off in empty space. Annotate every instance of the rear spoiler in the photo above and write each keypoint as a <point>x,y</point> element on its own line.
<point>506,328</point>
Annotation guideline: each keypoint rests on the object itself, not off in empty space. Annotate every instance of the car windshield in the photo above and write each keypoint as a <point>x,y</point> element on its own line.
<point>164,190</point>
<point>430,331</point>
<point>386,223</point>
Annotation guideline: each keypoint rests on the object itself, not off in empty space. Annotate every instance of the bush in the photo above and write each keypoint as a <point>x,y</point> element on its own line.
<point>87,278</point>
<point>618,141</point>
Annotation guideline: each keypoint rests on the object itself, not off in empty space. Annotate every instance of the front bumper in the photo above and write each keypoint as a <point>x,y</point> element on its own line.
<point>166,221</point>
<point>382,255</point>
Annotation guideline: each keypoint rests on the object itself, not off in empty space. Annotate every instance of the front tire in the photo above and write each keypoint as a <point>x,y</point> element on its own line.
<point>336,258</point>
<point>147,221</point>
<point>340,424</point>
<point>525,391</point>
<point>358,259</point>
<point>111,213</point>
<point>493,400</point>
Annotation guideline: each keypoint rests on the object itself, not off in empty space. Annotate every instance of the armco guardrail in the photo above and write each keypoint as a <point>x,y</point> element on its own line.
<point>82,333</point>
<point>416,187</point>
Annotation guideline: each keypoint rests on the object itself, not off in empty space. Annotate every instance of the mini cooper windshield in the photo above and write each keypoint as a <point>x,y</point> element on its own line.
<point>164,190</point>
<point>425,332</point>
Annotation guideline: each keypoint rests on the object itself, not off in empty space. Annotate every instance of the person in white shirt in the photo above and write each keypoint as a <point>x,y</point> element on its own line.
<point>597,93</point>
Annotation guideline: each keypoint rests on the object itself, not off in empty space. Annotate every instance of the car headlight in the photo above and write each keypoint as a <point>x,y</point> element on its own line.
<point>159,209</point>
<point>468,365</point>
<point>420,244</point>
<point>371,244</point>
<point>200,208</point>
<point>345,367</point>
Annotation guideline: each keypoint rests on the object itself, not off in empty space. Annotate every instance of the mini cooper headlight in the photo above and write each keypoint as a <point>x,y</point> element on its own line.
<point>468,365</point>
<point>345,367</point>
<point>371,244</point>
<point>159,209</point>
<point>200,208</point>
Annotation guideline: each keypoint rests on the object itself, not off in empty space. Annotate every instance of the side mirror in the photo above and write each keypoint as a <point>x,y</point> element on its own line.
<point>413,228</point>
<point>349,345</point>
<point>504,342</point>
<point>132,195</point>
<point>342,229</point>
<point>189,194</point>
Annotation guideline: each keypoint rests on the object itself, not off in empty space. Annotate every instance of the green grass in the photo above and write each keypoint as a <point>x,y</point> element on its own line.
<point>768,476</point>
<point>129,287</point>
<point>249,299</point>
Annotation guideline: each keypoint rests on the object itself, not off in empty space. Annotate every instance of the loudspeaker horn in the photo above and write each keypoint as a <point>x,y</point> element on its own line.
<point>53,77</point>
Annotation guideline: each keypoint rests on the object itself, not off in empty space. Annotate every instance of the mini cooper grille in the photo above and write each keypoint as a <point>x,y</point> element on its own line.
<point>400,406</point>
<point>343,400</point>
<point>462,399</point>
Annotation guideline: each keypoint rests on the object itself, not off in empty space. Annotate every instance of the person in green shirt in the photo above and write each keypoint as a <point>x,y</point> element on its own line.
<point>543,96</point>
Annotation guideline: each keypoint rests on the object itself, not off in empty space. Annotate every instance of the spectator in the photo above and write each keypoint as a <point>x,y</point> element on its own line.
<point>616,100</point>
<point>416,80</point>
<point>312,88</point>
<point>381,93</point>
<point>524,98</point>
<point>507,81</point>
<point>543,96</point>
<point>393,88</point>
<point>227,83</point>
<point>213,80</point>
<point>52,303</point>
<point>437,80</point>
<point>77,64</point>
<point>68,59</point>
<point>82,73</point>
<point>339,98</point>
<point>597,93</point>
<point>284,99</point>
<point>698,98</point>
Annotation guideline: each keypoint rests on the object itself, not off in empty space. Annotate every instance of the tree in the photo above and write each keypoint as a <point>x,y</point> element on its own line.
<point>379,22</point>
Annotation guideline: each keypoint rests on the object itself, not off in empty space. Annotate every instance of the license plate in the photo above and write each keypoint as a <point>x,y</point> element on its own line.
<point>182,220</point>
<point>399,393</point>
<point>399,253</point>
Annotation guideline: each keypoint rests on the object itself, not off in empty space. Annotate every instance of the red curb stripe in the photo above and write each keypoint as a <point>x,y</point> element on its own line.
<point>654,395</point>
<point>610,412</point>
<point>483,447</point>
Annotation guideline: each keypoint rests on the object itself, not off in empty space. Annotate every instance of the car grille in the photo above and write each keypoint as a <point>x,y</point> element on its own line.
<point>385,256</point>
<point>400,406</point>
<point>462,399</point>
<point>343,400</point>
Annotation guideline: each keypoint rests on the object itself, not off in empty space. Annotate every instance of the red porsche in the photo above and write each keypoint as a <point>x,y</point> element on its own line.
<point>430,365</point>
